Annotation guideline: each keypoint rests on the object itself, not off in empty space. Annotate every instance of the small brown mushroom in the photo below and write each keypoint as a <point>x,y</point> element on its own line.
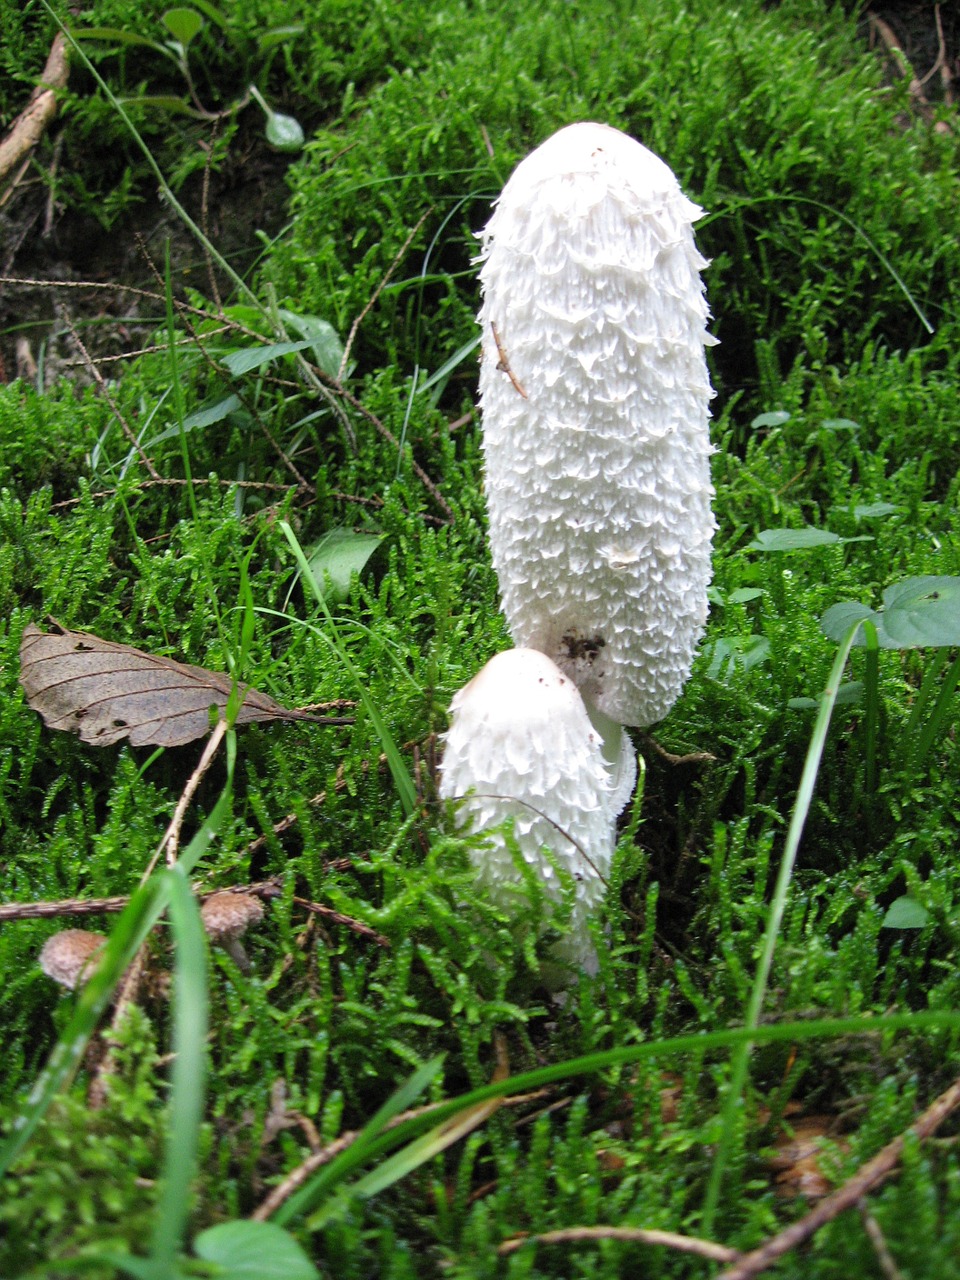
<point>68,957</point>
<point>226,917</point>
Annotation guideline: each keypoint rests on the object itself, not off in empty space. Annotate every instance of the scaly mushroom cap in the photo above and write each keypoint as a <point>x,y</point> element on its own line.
<point>521,746</point>
<point>594,394</point>
<point>228,915</point>
<point>68,957</point>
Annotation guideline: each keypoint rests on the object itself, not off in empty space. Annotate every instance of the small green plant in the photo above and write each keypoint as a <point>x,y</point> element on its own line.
<point>185,31</point>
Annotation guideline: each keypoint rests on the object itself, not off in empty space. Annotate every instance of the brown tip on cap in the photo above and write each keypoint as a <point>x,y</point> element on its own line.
<point>228,915</point>
<point>68,957</point>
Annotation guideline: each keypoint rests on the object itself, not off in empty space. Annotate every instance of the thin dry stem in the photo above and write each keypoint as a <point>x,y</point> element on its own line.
<point>40,112</point>
<point>867,1177</point>
<point>114,407</point>
<point>345,359</point>
<point>634,1235</point>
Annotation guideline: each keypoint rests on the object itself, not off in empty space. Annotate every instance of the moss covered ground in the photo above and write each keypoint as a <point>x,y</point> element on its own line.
<point>831,204</point>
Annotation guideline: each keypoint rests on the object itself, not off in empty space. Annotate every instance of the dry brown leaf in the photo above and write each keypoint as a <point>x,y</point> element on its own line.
<point>797,1162</point>
<point>106,691</point>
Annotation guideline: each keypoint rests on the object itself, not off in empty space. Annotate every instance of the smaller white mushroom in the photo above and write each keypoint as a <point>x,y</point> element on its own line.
<point>522,746</point>
<point>69,957</point>
<point>226,917</point>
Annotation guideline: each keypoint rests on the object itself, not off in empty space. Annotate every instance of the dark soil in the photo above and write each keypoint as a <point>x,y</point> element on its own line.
<point>45,252</point>
<point>64,274</point>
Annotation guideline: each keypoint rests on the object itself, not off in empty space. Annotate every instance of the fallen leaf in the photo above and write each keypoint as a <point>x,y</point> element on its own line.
<point>106,691</point>
<point>798,1154</point>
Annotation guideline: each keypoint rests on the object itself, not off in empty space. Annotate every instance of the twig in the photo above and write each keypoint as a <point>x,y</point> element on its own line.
<point>171,839</point>
<point>126,996</point>
<point>272,888</point>
<point>391,439</point>
<point>345,359</point>
<point>318,909</point>
<point>40,111</point>
<point>867,1177</point>
<point>178,480</point>
<point>692,757</point>
<point>114,407</point>
<point>876,1237</point>
<point>503,364</point>
<point>294,1180</point>
<point>291,819</point>
<point>634,1235</point>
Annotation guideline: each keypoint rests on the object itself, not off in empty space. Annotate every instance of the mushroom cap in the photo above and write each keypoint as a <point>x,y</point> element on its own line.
<point>596,439</point>
<point>227,915</point>
<point>68,956</point>
<point>521,746</point>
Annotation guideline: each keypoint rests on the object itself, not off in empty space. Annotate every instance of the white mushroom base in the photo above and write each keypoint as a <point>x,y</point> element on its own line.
<point>521,746</point>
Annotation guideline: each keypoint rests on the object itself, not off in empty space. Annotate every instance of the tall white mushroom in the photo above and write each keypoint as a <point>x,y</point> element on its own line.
<point>522,746</point>
<point>594,394</point>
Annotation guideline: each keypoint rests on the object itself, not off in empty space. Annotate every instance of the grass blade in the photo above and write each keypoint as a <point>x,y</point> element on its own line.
<point>401,776</point>
<point>190,1016</point>
<point>740,1059</point>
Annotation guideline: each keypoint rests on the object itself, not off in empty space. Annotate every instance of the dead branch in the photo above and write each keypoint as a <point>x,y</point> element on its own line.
<point>114,407</point>
<point>375,295</point>
<point>867,1177</point>
<point>284,1190</point>
<point>503,364</point>
<point>39,113</point>
<point>634,1235</point>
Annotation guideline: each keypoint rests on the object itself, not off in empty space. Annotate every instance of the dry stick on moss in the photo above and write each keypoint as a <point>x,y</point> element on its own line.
<point>291,819</point>
<point>388,435</point>
<point>130,986</point>
<point>946,75</point>
<point>867,1177</point>
<point>40,112</point>
<point>345,359</point>
<point>635,1235</point>
<point>114,407</point>
<point>172,481</point>
<point>293,1181</point>
<point>885,1259</point>
<point>302,482</point>
<point>267,889</point>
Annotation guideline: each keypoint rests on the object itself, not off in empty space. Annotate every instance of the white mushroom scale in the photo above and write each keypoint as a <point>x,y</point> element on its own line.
<point>594,394</point>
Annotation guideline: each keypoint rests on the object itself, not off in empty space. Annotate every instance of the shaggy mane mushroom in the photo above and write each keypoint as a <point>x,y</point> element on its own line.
<point>594,394</point>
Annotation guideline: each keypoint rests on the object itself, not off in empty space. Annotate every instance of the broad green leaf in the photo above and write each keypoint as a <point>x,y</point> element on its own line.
<point>743,595</point>
<point>776,418</point>
<point>840,424</point>
<point>339,554</point>
<point>214,14</point>
<point>183,25</point>
<point>905,913</point>
<point>874,510</point>
<point>254,1251</point>
<point>839,618</point>
<point>284,132</point>
<point>212,414</point>
<point>249,358</point>
<point>115,36</point>
<point>794,539</point>
<point>924,611</point>
<point>279,35</point>
<point>850,691</point>
<point>917,613</point>
<point>320,335</point>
